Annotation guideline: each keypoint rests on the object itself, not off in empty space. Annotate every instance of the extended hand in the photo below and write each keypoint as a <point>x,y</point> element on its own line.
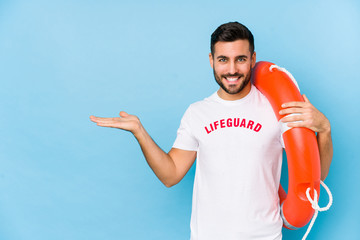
<point>125,121</point>
<point>307,115</point>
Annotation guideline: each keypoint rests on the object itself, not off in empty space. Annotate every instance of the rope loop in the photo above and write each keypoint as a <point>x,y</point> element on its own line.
<point>315,205</point>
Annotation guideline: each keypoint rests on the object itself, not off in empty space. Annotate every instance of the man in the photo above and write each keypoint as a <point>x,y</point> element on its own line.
<point>237,142</point>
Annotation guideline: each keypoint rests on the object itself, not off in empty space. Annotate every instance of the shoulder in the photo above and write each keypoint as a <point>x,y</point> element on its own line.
<point>204,102</point>
<point>199,107</point>
<point>260,98</point>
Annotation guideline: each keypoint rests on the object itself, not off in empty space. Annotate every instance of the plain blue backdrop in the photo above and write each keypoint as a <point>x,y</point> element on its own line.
<point>62,177</point>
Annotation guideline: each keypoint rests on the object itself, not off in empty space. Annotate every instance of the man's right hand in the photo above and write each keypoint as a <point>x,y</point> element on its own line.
<point>126,122</point>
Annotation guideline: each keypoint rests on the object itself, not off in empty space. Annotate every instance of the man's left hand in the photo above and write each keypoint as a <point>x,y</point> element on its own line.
<point>306,115</point>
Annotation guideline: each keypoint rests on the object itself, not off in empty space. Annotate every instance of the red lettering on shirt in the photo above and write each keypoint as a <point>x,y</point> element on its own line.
<point>222,123</point>
<point>216,124</point>
<point>229,122</point>
<point>236,122</point>
<point>250,124</point>
<point>243,123</point>
<point>257,127</point>
<point>207,131</point>
<point>232,122</point>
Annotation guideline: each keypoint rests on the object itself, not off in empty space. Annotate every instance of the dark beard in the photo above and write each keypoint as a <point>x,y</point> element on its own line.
<point>232,90</point>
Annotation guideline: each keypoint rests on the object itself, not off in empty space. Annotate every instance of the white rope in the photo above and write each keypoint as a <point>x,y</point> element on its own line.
<point>287,72</point>
<point>315,205</point>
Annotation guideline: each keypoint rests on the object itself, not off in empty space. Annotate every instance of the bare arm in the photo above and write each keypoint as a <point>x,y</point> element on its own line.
<point>313,119</point>
<point>170,167</point>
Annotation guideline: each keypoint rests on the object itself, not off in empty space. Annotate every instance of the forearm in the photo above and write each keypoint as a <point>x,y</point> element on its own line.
<point>170,167</point>
<point>159,161</point>
<point>326,152</point>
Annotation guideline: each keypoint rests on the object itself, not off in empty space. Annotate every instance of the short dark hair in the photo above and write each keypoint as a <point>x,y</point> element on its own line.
<point>230,32</point>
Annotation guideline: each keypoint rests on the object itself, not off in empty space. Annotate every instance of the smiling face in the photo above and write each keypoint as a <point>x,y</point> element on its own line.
<point>232,63</point>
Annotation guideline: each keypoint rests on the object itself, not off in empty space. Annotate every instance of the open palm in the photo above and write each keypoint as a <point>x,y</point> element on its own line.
<point>125,121</point>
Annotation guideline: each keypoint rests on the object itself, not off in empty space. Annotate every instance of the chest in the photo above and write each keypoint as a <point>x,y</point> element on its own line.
<point>247,127</point>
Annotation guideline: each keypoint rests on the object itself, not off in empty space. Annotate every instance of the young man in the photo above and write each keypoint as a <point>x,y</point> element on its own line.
<point>236,139</point>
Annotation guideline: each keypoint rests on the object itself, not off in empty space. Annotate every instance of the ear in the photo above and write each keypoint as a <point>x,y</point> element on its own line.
<point>253,60</point>
<point>211,59</point>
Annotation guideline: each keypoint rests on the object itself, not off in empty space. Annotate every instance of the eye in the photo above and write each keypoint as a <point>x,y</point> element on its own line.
<point>241,59</point>
<point>222,60</point>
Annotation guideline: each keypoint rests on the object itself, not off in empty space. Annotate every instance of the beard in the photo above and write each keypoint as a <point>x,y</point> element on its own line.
<point>232,89</point>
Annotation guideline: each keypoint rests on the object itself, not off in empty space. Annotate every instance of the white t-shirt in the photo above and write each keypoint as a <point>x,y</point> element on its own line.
<point>238,167</point>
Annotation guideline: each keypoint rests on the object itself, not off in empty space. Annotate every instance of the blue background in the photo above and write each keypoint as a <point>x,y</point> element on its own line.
<point>62,177</point>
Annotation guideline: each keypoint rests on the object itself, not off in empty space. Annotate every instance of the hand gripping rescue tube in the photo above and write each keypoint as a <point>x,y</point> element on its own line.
<point>300,145</point>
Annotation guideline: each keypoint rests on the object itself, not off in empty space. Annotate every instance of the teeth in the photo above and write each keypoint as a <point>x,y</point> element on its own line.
<point>232,79</point>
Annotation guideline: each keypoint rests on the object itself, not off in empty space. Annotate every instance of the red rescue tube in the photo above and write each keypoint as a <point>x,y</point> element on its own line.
<point>300,145</point>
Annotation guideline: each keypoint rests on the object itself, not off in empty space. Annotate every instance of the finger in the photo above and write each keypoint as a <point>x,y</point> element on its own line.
<point>106,120</point>
<point>293,118</point>
<point>95,119</point>
<point>304,124</point>
<point>291,110</point>
<point>124,114</point>
<point>107,125</point>
<point>306,99</point>
<point>292,124</point>
<point>296,124</point>
<point>120,125</point>
<point>293,104</point>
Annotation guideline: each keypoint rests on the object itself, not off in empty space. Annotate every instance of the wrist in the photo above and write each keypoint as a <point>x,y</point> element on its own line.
<point>327,127</point>
<point>325,131</point>
<point>138,131</point>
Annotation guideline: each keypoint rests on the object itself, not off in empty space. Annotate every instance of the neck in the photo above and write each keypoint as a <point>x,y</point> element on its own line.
<point>232,97</point>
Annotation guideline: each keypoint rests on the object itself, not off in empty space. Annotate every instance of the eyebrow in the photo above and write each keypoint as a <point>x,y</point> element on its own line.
<point>240,56</point>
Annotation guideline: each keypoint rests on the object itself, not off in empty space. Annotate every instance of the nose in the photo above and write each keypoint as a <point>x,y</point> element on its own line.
<point>232,68</point>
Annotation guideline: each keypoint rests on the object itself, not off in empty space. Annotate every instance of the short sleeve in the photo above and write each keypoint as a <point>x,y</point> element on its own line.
<point>185,139</point>
<point>283,128</point>
<point>282,141</point>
